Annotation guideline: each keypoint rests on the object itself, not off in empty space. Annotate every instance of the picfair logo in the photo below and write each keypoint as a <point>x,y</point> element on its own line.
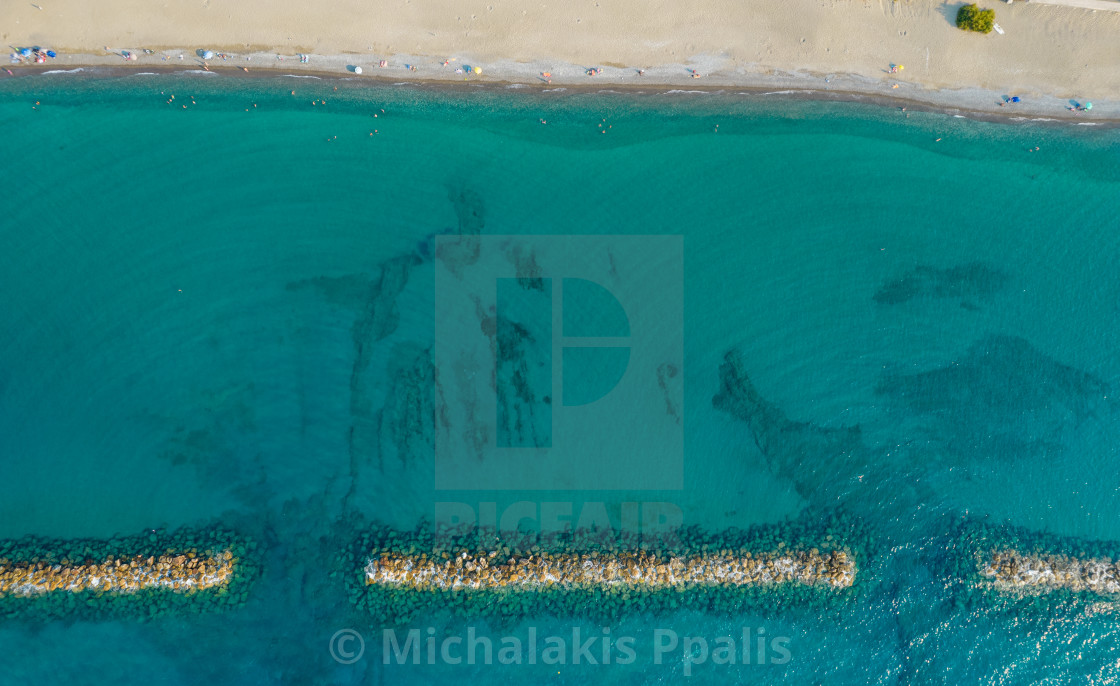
<point>559,362</point>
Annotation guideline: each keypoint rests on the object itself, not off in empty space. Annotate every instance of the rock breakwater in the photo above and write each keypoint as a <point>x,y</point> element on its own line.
<point>467,569</point>
<point>1008,566</point>
<point>141,576</point>
<point>1012,570</point>
<point>400,575</point>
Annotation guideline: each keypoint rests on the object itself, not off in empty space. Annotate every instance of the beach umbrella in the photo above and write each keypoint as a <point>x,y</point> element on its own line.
<point>1015,99</point>
<point>26,52</point>
<point>1088,105</point>
<point>208,55</point>
<point>478,70</point>
<point>51,53</point>
<point>357,70</point>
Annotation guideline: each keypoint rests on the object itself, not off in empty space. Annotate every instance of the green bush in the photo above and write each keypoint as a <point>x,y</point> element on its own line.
<point>972,18</point>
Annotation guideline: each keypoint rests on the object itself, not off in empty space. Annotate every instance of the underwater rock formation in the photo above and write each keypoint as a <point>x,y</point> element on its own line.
<point>407,410</point>
<point>469,210</point>
<point>466,248</point>
<point>669,375</point>
<point>972,280</point>
<point>1001,398</point>
<point>813,458</point>
<point>523,372</point>
<point>205,441</point>
<point>376,322</point>
<point>403,411</point>
<point>381,315</point>
<point>407,419</point>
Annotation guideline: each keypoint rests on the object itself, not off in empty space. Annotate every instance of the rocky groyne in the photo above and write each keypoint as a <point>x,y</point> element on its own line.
<point>1012,570</point>
<point>183,572</point>
<point>466,569</point>
<point>1008,566</point>
<point>398,575</point>
<point>143,576</point>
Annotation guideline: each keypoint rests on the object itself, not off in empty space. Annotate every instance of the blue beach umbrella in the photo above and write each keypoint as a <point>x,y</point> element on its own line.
<point>26,52</point>
<point>1015,99</point>
<point>51,53</point>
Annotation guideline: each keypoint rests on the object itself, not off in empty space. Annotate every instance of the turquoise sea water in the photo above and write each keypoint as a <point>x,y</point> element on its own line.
<point>205,315</point>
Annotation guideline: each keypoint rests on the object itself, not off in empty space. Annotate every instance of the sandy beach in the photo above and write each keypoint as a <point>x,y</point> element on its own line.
<point>1049,55</point>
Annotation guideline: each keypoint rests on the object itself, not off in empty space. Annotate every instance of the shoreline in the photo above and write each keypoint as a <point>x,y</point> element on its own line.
<point>1051,54</point>
<point>974,103</point>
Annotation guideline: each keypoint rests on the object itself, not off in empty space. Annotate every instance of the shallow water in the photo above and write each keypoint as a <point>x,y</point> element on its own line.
<point>210,311</point>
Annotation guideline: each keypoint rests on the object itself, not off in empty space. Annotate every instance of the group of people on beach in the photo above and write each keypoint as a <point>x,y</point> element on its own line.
<point>35,55</point>
<point>38,55</point>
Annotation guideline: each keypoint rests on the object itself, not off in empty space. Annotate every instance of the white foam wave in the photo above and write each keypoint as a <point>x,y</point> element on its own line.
<point>63,71</point>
